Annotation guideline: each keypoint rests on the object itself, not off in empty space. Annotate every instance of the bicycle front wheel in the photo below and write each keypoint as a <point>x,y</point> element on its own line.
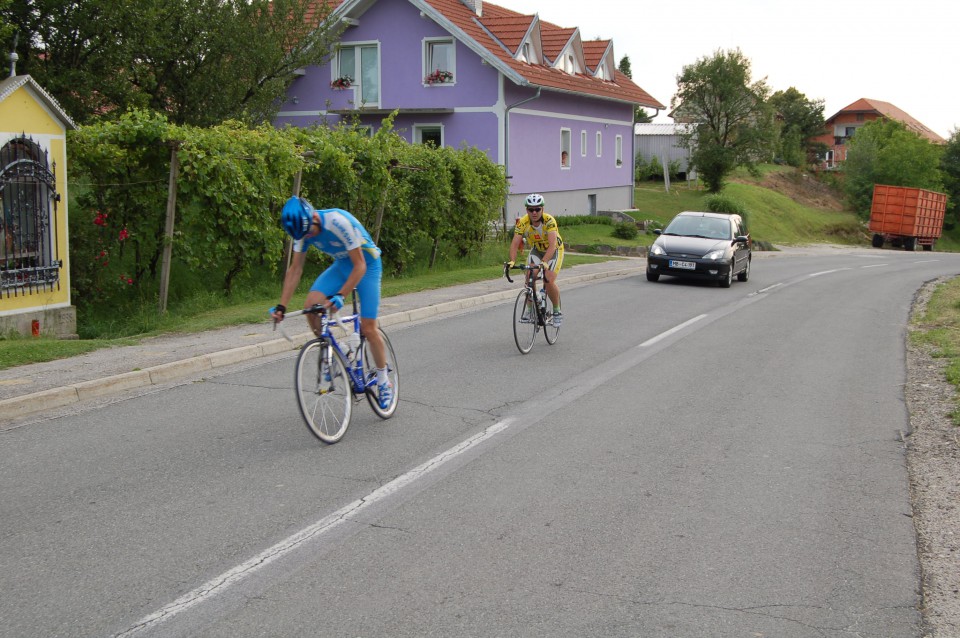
<point>370,375</point>
<point>550,332</point>
<point>324,391</point>
<point>524,322</point>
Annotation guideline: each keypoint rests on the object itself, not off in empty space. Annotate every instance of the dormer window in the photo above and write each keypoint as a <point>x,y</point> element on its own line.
<point>526,53</point>
<point>601,73</point>
<point>568,65</point>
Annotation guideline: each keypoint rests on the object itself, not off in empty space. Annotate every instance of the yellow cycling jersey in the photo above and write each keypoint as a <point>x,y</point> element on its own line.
<point>536,236</point>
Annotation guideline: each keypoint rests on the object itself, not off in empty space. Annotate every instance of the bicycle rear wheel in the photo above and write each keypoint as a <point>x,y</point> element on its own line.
<point>370,375</point>
<point>524,322</point>
<point>324,391</point>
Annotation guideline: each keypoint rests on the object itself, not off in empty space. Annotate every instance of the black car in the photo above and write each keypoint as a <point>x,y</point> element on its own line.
<point>712,246</point>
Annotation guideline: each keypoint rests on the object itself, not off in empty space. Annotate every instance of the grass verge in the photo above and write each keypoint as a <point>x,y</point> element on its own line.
<point>938,328</point>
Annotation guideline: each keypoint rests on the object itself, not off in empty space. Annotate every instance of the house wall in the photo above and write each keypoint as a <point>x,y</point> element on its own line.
<point>591,182</point>
<point>24,112</point>
<point>399,30</point>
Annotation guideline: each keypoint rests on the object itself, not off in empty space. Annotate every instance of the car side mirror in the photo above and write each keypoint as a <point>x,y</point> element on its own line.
<point>742,239</point>
<point>657,231</point>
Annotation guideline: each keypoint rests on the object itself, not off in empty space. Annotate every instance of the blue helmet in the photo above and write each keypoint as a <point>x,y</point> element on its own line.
<point>297,216</point>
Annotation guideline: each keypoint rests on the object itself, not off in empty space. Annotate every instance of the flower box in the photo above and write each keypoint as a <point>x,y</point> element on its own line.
<point>341,83</point>
<point>438,77</point>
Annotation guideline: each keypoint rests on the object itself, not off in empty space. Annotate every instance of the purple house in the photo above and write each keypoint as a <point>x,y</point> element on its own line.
<point>550,107</point>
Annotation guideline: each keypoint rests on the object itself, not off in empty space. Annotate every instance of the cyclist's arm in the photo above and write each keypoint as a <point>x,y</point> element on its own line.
<point>359,270</point>
<point>551,247</point>
<point>291,280</point>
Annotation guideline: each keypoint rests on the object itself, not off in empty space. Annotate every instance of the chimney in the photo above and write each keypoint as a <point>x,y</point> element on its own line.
<point>475,5</point>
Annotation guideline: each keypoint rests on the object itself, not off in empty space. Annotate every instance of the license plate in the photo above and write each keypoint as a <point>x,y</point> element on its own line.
<point>683,265</point>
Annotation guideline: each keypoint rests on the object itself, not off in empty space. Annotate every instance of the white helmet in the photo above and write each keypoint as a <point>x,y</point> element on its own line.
<point>534,200</point>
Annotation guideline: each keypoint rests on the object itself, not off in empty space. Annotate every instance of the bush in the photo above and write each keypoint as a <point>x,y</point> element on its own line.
<point>727,205</point>
<point>580,220</point>
<point>626,230</point>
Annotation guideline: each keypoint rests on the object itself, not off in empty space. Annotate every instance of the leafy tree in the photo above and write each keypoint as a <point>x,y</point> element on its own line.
<point>6,29</point>
<point>732,122</point>
<point>885,152</point>
<point>950,171</point>
<point>801,120</point>
<point>639,115</point>
<point>199,61</point>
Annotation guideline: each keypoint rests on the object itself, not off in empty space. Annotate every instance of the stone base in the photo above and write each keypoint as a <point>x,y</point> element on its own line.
<point>60,323</point>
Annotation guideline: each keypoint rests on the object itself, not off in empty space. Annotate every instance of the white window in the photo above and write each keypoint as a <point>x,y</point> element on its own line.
<point>568,64</point>
<point>565,148</point>
<point>599,142</point>
<point>361,64</point>
<point>619,151</point>
<point>526,53</point>
<point>428,134</point>
<point>583,143</point>
<point>439,61</point>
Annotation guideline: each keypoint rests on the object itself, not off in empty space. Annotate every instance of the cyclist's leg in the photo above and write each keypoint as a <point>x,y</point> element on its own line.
<point>369,291</point>
<point>550,276</point>
<point>333,279</point>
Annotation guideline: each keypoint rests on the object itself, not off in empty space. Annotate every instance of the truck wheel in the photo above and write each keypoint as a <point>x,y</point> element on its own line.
<point>928,246</point>
<point>910,243</point>
<point>877,240</point>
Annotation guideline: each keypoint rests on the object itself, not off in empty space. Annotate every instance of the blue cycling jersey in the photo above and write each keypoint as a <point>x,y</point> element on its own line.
<point>341,232</point>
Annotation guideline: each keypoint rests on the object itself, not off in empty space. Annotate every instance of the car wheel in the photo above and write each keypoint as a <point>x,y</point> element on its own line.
<point>653,276</point>
<point>727,280</point>
<point>744,274</point>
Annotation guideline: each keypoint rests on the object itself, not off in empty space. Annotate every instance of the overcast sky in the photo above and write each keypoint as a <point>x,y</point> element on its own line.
<point>904,53</point>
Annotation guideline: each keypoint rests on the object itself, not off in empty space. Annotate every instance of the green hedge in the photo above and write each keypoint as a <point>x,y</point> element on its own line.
<point>232,183</point>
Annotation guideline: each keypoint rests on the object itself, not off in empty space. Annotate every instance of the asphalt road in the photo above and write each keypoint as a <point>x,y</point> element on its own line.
<point>685,461</point>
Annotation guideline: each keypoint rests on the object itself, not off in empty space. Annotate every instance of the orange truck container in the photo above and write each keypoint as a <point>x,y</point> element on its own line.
<point>906,216</point>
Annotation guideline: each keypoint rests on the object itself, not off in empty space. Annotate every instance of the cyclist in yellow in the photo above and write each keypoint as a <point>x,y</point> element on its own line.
<point>539,230</point>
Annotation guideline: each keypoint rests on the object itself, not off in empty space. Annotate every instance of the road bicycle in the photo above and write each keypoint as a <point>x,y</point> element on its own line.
<point>530,314</point>
<point>331,375</point>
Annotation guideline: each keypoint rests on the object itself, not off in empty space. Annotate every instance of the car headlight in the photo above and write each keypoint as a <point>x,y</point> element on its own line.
<point>714,255</point>
<point>657,250</point>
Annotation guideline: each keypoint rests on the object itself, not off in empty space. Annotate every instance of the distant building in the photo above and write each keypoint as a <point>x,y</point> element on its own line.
<point>663,141</point>
<point>844,123</point>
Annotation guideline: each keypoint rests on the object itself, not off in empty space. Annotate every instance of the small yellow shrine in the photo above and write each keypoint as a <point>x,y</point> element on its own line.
<point>34,252</point>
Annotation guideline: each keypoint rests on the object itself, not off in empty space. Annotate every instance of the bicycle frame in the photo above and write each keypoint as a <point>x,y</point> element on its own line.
<point>357,381</point>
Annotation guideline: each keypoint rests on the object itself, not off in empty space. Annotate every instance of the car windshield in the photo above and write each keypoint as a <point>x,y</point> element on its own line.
<point>706,227</point>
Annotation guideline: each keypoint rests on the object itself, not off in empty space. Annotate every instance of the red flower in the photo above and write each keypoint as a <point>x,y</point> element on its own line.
<point>100,219</point>
<point>124,234</point>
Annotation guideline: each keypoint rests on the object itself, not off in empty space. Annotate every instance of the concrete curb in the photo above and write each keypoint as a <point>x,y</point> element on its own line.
<point>165,373</point>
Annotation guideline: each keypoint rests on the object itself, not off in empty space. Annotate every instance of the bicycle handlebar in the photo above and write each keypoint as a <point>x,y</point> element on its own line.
<point>507,268</point>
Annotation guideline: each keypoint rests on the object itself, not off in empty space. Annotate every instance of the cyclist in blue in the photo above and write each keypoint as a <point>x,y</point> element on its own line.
<point>356,264</point>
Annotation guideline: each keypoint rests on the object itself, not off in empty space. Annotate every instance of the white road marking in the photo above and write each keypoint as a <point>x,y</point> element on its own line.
<point>664,335</point>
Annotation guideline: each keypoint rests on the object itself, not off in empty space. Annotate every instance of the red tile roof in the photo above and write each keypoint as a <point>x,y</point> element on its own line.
<point>864,105</point>
<point>510,30</point>
<point>593,51</point>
